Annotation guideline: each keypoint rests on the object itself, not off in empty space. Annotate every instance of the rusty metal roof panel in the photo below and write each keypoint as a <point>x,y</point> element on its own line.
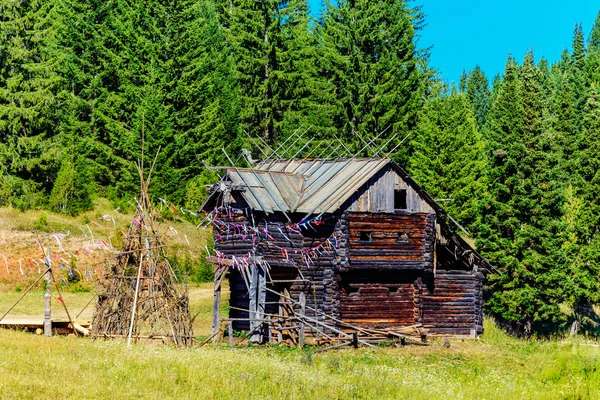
<point>265,190</point>
<point>307,186</point>
<point>332,183</point>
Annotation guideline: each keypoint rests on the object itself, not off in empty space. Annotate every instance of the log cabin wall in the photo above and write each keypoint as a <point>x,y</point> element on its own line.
<point>316,278</point>
<point>235,244</point>
<point>452,303</point>
<point>380,273</point>
<point>380,283</point>
<point>391,241</point>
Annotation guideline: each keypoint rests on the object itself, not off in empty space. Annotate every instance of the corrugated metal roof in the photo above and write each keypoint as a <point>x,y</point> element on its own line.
<point>307,186</point>
<point>266,190</point>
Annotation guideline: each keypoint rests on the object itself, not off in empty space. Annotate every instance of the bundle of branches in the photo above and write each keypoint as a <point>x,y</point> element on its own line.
<point>140,297</point>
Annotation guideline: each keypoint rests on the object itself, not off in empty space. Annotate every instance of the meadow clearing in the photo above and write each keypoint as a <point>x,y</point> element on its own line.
<point>495,367</point>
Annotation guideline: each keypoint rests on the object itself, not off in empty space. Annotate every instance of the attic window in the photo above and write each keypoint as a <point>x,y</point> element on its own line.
<point>366,236</point>
<point>400,199</point>
<point>403,238</point>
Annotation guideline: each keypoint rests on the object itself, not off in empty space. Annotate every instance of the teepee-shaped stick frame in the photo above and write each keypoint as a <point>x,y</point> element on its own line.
<point>140,297</point>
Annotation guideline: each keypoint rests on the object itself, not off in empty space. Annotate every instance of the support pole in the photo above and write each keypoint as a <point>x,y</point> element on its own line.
<point>135,298</point>
<point>302,301</point>
<point>255,338</point>
<point>48,295</point>
<point>261,298</point>
<point>219,272</point>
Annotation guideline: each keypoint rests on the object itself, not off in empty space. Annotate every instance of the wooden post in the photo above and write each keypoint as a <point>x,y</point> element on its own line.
<point>230,330</point>
<point>435,238</point>
<point>280,320</point>
<point>219,273</point>
<point>302,301</point>
<point>255,335</point>
<point>261,298</point>
<point>48,295</point>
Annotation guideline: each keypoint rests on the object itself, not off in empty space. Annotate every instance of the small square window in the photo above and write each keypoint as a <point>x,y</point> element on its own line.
<point>400,199</point>
<point>366,236</point>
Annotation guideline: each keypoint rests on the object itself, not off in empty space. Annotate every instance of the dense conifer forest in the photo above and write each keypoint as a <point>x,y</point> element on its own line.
<point>87,87</point>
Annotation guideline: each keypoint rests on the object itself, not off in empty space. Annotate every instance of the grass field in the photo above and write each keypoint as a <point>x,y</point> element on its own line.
<point>32,305</point>
<point>495,367</point>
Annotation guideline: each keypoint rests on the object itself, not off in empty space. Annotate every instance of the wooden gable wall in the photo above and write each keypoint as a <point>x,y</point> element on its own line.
<point>377,195</point>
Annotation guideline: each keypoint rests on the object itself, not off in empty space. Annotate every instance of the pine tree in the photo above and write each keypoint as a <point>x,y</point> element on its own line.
<point>478,93</point>
<point>370,56</point>
<point>29,144</point>
<point>449,159</point>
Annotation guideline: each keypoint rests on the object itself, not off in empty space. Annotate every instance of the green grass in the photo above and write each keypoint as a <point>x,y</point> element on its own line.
<point>496,367</point>
<point>32,305</point>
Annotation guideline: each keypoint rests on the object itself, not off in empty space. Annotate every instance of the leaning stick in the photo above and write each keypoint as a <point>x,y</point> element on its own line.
<point>24,293</point>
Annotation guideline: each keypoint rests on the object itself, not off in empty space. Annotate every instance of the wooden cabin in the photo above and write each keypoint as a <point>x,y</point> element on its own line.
<point>357,239</point>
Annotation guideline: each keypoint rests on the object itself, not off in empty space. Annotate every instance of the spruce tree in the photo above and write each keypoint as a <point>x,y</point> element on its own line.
<point>370,56</point>
<point>29,144</point>
<point>204,95</point>
<point>274,53</point>
<point>449,159</point>
<point>478,93</point>
<point>113,73</point>
<point>581,221</point>
<point>519,222</point>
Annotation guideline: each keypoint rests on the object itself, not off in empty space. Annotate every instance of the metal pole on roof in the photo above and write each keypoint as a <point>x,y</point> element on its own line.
<point>265,143</point>
<point>336,198</point>
<point>398,145</point>
<point>345,148</point>
<point>372,140</point>
<point>252,140</point>
<point>300,136</point>
<point>334,151</point>
<point>350,159</point>
<point>240,174</point>
<point>298,152</point>
<point>325,149</point>
<point>284,142</point>
<point>258,180</point>
<point>305,159</point>
<point>365,142</point>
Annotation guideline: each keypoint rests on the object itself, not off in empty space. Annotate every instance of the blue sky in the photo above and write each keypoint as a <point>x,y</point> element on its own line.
<point>465,33</point>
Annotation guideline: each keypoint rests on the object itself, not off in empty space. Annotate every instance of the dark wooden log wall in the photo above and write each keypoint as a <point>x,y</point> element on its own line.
<point>232,243</point>
<point>316,280</point>
<point>379,299</point>
<point>396,241</point>
<point>378,284</point>
<point>452,303</point>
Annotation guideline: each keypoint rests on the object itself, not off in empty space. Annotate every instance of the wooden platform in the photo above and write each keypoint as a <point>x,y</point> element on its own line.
<point>33,324</point>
